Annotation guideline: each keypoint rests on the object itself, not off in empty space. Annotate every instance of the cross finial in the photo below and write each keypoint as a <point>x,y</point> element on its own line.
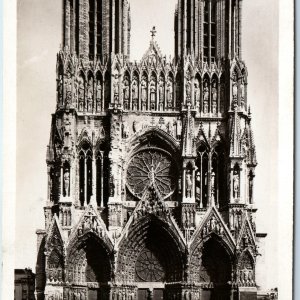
<point>153,32</point>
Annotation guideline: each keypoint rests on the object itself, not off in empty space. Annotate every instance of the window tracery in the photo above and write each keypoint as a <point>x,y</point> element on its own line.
<point>151,167</point>
<point>85,174</point>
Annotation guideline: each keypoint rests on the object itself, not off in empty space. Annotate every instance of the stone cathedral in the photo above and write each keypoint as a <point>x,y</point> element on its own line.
<point>151,164</point>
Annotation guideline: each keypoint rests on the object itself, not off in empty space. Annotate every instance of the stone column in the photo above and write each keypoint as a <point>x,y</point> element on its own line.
<point>101,180</point>
<point>85,181</point>
<point>94,183</point>
<point>229,30</point>
<point>61,182</point>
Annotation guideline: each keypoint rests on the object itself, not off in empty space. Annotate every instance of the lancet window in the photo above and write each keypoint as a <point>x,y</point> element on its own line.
<point>85,174</point>
<point>202,176</point>
<point>218,171</point>
<point>77,23</point>
<point>99,178</point>
<point>209,30</point>
<point>210,178</point>
<point>91,28</point>
<point>99,27</point>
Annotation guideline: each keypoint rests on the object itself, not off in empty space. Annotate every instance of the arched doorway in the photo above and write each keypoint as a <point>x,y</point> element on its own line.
<point>215,271</point>
<point>149,257</point>
<point>89,267</point>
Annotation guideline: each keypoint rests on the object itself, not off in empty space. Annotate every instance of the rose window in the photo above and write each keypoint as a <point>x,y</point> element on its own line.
<point>148,267</point>
<point>149,167</point>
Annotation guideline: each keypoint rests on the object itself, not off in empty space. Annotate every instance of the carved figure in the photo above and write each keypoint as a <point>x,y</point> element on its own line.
<point>144,93</point>
<point>152,94</point>
<point>205,92</point>
<point>236,184</point>
<point>126,89</point>
<point>90,95</point>
<point>205,98</point>
<point>66,182</point>
<point>80,95</point>
<point>242,87</point>
<point>161,90</point>
<point>134,89</point>
<point>98,95</point>
<point>234,90</point>
<point>169,93</point>
<point>188,90</point>
<point>188,184</point>
<point>60,89</point>
<point>214,92</point>
<point>116,89</point>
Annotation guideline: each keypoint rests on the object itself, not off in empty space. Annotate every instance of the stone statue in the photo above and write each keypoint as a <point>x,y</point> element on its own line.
<point>169,93</point>
<point>205,98</point>
<point>234,90</point>
<point>90,95</point>
<point>67,183</point>
<point>60,89</point>
<point>213,176</point>
<point>161,90</point>
<point>214,92</point>
<point>152,94</point>
<point>80,95</point>
<point>144,93</point>
<point>126,92</point>
<point>125,131</point>
<point>178,128</point>
<point>68,88</point>
<point>236,184</point>
<point>242,87</point>
<point>197,94</point>
<point>188,184</point>
<point>116,89</point>
<point>98,95</point>
<point>188,90</point>
<point>205,92</point>
<point>170,129</point>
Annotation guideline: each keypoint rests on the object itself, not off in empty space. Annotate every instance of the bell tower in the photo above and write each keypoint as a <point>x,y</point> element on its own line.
<point>208,29</point>
<point>96,28</point>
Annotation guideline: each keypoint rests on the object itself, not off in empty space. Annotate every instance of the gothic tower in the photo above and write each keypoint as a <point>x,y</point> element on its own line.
<point>151,164</point>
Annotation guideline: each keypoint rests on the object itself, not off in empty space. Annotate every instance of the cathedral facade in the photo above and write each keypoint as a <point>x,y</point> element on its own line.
<point>151,164</point>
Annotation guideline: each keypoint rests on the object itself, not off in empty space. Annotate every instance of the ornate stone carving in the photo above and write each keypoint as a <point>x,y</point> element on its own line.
<point>151,167</point>
<point>148,267</point>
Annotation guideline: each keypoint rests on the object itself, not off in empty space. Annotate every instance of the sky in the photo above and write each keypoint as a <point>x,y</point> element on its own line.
<point>39,38</point>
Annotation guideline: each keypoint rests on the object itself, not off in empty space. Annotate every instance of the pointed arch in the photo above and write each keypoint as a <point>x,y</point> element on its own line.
<point>81,91</point>
<point>107,92</point>
<point>98,91</point>
<point>126,90</point>
<point>219,170</point>
<point>153,91</point>
<point>211,261</point>
<point>202,167</point>
<point>135,90</point>
<point>223,102</point>
<point>178,90</point>
<point>246,269</point>
<point>144,91</point>
<point>205,94</point>
<point>153,238</point>
<point>89,260</point>
<point>85,158</point>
